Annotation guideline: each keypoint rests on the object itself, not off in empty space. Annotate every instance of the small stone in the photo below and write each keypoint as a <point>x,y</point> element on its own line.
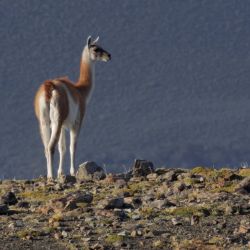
<point>99,175</point>
<point>159,232</point>
<point>56,224</point>
<point>86,239</point>
<point>161,171</point>
<point>128,200</point>
<point>88,219</point>
<point>244,209</point>
<point>222,225</point>
<point>19,223</point>
<point>137,179</point>
<point>244,226</point>
<point>82,197</point>
<point>148,198</point>
<point>139,232</point>
<point>170,176</point>
<point>111,203</point>
<point>244,186</point>
<point>123,233</point>
<point>23,204</point>
<point>9,199</point>
<point>98,246</point>
<point>161,204</point>
<point>4,209</point>
<point>243,229</point>
<point>133,233</point>
<point>136,217</point>
<point>11,226</point>
<point>58,204</point>
<point>110,178</point>
<point>43,209</point>
<point>28,237</point>
<point>70,201</point>
<point>229,210</point>
<point>149,235</point>
<point>67,179</point>
<point>158,244</point>
<point>180,187</point>
<point>64,234</point>
<point>176,222</point>
<point>152,176</point>
<point>59,187</point>
<point>137,202</point>
<point>166,235</point>
<point>120,183</point>
<point>194,220</point>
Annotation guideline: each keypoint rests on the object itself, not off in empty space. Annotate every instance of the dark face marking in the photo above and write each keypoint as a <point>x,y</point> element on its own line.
<point>99,53</point>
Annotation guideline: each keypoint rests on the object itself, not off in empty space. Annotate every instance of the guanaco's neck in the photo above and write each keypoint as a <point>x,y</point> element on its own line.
<point>86,78</point>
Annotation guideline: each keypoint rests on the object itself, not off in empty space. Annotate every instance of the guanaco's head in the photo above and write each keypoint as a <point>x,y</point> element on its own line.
<point>96,52</point>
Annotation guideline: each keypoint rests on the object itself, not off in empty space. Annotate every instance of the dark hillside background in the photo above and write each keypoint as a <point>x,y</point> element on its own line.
<point>176,92</point>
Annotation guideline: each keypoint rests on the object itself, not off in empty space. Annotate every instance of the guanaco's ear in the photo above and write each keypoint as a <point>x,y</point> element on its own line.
<point>89,41</point>
<point>95,41</point>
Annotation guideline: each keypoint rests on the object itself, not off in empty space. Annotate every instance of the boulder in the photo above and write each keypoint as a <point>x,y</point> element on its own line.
<point>90,171</point>
<point>111,203</point>
<point>244,186</point>
<point>70,201</point>
<point>142,168</point>
<point>81,197</point>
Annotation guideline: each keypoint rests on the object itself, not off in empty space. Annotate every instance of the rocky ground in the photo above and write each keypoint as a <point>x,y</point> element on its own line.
<point>146,208</point>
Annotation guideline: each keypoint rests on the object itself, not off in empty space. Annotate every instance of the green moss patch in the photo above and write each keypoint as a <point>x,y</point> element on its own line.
<point>39,195</point>
<point>244,172</point>
<point>114,238</point>
<point>187,211</point>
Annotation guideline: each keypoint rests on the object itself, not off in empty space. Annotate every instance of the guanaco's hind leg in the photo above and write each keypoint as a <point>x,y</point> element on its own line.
<point>56,126</point>
<point>62,150</point>
<point>73,139</point>
<point>45,127</point>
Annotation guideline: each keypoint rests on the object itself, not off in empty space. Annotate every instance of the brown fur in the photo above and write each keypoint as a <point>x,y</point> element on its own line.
<point>85,76</point>
<point>40,91</point>
<point>79,94</point>
<point>55,93</point>
<point>79,91</point>
<point>48,88</point>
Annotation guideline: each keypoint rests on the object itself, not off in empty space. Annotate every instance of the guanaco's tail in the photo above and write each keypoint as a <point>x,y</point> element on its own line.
<point>49,86</point>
